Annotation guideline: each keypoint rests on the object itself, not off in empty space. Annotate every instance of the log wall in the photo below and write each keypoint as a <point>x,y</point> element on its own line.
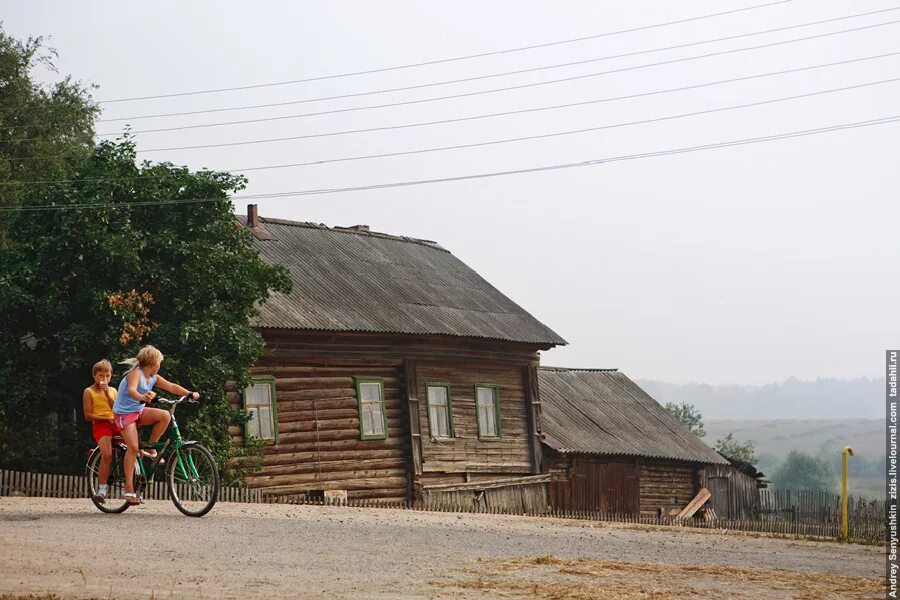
<point>318,421</point>
<point>465,453</point>
<point>667,486</point>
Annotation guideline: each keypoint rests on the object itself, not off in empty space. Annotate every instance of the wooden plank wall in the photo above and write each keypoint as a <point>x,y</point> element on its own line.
<point>666,486</point>
<point>735,495</point>
<point>621,485</point>
<point>589,483</point>
<point>318,421</point>
<point>465,453</point>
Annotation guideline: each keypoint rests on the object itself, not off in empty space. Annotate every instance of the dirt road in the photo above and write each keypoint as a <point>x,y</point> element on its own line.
<point>68,548</point>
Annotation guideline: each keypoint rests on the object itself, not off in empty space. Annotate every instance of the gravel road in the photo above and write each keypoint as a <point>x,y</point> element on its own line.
<point>68,548</point>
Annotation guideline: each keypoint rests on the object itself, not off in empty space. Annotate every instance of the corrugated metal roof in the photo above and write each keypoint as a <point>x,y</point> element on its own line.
<point>601,411</point>
<point>348,280</point>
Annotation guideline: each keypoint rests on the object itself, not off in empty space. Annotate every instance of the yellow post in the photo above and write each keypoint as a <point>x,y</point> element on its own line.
<point>845,528</point>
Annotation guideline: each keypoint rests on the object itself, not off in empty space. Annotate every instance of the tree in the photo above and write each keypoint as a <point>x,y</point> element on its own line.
<point>115,271</point>
<point>687,414</point>
<point>732,449</point>
<point>800,471</point>
<point>45,130</point>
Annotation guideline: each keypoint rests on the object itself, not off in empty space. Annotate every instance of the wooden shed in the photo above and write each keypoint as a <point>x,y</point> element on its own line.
<point>391,367</point>
<point>613,448</point>
<point>735,489</point>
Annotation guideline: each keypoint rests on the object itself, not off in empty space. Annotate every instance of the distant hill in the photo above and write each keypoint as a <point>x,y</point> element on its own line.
<point>774,438</point>
<point>791,399</point>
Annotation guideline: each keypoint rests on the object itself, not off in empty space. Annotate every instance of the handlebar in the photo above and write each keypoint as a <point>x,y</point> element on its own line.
<point>174,402</point>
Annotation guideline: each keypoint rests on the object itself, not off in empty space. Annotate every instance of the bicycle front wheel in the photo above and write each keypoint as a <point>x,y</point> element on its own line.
<point>193,480</point>
<point>115,499</point>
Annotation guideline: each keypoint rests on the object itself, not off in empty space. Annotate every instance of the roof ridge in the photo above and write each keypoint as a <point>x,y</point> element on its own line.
<point>339,229</point>
<point>582,369</point>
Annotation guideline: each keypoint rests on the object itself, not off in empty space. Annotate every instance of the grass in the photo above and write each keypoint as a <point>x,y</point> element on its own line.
<point>553,578</point>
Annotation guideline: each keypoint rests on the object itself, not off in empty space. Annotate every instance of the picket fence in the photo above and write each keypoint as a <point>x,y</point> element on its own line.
<point>46,485</point>
<point>784,513</point>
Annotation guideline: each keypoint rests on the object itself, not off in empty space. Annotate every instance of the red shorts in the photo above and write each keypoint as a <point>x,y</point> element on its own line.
<point>123,421</point>
<point>103,429</point>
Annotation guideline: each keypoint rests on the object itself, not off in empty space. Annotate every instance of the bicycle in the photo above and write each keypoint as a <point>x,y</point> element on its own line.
<point>191,474</point>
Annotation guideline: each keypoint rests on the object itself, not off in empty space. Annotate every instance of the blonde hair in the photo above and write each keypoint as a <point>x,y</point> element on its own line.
<point>101,365</point>
<point>148,355</point>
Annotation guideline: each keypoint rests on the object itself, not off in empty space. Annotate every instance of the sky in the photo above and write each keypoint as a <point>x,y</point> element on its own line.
<point>739,265</point>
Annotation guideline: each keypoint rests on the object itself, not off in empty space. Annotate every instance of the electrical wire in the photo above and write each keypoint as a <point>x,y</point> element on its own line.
<point>490,142</point>
<point>508,88</point>
<point>507,73</point>
<point>457,58</point>
<point>513,112</point>
<point>398,184</point>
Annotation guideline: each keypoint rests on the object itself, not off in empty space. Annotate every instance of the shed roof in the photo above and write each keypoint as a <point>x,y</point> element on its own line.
<point>601,411</point>
<point>347,279</point>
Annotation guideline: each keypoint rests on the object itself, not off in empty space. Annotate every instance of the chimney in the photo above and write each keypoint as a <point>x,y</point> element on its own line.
<point>255,226</point>
<point>364,228</point>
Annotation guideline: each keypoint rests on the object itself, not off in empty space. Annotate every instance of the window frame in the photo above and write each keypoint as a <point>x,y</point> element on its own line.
<point>496,391</point>
<point>268,380</point>
<point>452,430</point>
<point>358,381</point>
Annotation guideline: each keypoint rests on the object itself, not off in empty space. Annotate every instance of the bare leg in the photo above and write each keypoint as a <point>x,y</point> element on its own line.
<point>130,435</point>
<point>158,418</point>
<point>105,444</point>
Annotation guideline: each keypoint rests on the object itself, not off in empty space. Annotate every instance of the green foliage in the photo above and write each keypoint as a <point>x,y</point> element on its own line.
<point>687,414</point>
<point>801,471</point>
<point>65,288</point>
<point>45,130</point>
<point>734,450</point>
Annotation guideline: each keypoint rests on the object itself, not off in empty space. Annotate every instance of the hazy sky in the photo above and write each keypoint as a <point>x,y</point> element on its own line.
<point>736,265</point>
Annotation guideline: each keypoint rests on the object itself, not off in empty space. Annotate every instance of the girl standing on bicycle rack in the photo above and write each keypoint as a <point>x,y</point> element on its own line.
<point>135,391</point>
<point>97,402</point>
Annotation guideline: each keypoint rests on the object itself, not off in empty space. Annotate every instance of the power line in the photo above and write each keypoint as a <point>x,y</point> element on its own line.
<point>502,74</point>
<point>515,112</point>
<point>493,142</point>
<point>397,184</point>
<point>446,60</point>
<point>509,88</point>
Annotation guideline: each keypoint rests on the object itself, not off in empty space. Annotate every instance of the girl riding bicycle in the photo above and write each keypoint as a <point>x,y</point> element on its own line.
<point>135,391</point>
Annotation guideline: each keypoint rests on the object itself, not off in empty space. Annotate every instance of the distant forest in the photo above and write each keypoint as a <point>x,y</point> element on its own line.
<point>791,399</point>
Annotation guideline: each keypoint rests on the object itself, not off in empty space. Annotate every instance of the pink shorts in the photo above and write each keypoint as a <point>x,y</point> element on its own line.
<point>123,421</point>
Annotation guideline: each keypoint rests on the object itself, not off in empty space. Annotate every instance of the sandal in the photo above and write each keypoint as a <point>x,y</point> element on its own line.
<point>132,498</point>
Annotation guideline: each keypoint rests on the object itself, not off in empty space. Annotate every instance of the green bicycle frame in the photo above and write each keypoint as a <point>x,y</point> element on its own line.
<point>168,446</point>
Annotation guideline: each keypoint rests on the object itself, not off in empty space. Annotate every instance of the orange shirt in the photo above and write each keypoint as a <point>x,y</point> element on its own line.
<point>101,404</point>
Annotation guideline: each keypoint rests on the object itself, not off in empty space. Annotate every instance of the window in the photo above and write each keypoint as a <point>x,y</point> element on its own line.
<point>372,423</point>
<point>440,413</point>
<point>487,403</point>
<point>259,401</point>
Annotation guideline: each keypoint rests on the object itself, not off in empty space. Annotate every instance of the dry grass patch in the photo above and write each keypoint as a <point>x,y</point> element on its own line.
<point>555,578</point>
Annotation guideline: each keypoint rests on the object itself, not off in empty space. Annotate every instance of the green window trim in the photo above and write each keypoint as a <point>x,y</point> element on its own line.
<point>268,380</point>
<point>496,390</point>
<point>359,381</point>
<point>446,386</point>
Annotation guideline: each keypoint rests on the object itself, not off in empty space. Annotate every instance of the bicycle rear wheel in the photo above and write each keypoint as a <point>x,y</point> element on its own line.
<point>115,498</point>
<point>193,480</point>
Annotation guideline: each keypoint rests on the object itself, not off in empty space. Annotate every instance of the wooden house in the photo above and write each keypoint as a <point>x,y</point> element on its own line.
<point>390,371</point>
<point>614,449</point>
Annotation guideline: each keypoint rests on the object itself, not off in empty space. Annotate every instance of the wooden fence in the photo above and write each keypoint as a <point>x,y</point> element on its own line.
<point>785,513</point>
<point>45,485</point>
